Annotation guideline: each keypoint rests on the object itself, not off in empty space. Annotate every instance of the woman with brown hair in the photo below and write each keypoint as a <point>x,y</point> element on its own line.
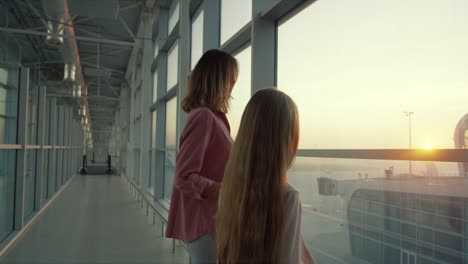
<point>205,144</point>
<point>259,214</point>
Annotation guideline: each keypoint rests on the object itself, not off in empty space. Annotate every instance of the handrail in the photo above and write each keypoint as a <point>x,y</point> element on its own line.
<point>141,196</point>
<point>438,155</point>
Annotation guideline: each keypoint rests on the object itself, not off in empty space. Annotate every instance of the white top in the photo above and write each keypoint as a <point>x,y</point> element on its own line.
<point>293,249</point>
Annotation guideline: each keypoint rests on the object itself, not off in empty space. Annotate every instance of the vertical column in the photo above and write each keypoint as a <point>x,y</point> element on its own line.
<point>147,98</point>
<point>184,64</point>
<point>263,48</point>
<point>40,174</point>
<point>71,149</point>
<point>66,110</point>
<point>161,109</point>
<point>53,150</point>
<point>21,162</point>
<point>211,24</point>
<point>59,151</point>
<point>125,126</point>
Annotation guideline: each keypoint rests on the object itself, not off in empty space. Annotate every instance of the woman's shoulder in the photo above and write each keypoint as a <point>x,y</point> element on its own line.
<point>201,112</point>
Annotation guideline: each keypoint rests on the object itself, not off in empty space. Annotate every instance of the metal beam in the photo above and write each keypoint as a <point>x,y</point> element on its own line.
<point>112,52</point>
<point>112,87</point>
<point>130,6</point>
<point>103,67</point>
<point>89,39</point>
<point>125,25</point>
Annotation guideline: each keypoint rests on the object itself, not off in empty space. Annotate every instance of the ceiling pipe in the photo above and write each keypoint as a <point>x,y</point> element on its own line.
<point>58,17</point>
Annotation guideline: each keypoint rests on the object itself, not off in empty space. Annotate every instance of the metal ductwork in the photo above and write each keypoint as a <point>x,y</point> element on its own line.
<point>60,22</point>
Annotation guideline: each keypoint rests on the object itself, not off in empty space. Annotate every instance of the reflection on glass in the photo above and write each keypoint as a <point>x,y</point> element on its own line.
<point>45,179</point>
<point>197,39</point>
<point>153,170</point>
<point>155,85</point>
<point>169,172</point>
<point>32,113</point>
<point>370,210</point>
<point>234,15</point>
<point>241,91</point>
<point>8,104</point>
<point>172,66</point>
<point>156,47</point>
<point>353,75</point>
<point>153,130</point>
<point>174,15</point>
<point>7,191</point>
<point>30,180</point>
<point>171,123</point>
<point>169,164</point>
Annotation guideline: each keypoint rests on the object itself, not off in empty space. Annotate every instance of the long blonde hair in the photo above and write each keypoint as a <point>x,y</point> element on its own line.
<point>250,216</point>
<point>211,82</point>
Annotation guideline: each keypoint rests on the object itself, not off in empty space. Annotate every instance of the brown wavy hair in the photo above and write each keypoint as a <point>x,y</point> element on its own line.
<point>250,218</point>
<point>211,82</point>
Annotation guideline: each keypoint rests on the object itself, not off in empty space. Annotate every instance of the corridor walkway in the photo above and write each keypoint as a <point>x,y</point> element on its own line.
<point>95,220</point>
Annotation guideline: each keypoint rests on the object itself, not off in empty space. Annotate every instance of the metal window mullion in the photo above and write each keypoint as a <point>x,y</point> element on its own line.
<point>211,24</point>
<point>263,41</point>
<point>147,98</point>
<point>183,64</point>
<point>158,179</point>
<point>21,160</point>
<point>59,137</point>
<point>52,142</point>
<point>41,152</point>
<point>66,134</point>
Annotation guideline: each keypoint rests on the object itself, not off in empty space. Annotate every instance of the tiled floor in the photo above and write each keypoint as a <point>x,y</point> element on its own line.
<point>95,220</point>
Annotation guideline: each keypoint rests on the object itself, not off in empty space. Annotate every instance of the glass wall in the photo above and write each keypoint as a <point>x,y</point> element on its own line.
<point>8,128</point>
<point>153,151</point>
<point>377,75</point>
<point>155,86</point>
<point>196,38</point>
<point>367,69</point>
<point>31,154</point>
<point>8,104</point>
<point>235,14</point>
<point>7,191</point>
<point>241,92</point>
<point>170,149</point>
<point>172,66</point>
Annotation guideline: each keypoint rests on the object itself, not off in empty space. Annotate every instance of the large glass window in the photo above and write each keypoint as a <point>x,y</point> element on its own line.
<point>235,14</point>
<point>8,104</point>
<point>172,66</point>
<point>153,150</point>
<point>359,66</point>
<point>169,164</point>
<point>156,47</point>
<point>7,191</point>
<point>197,38</point>
<point>155,85</point>
<point>30,179</point>
<point>241,91</point>
<point>356,70</point>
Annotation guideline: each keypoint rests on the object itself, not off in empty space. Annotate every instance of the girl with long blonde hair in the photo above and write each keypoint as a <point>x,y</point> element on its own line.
<point>205,144</point>
<point>259,213</point>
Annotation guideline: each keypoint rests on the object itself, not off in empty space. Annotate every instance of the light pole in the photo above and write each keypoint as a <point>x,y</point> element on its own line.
<point>409,115</point>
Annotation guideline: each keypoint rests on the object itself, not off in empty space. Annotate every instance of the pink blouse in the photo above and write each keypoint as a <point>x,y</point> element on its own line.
<point>204,150</point>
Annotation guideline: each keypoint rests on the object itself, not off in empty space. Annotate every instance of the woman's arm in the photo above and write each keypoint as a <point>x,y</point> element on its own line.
<point>191,156</point>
